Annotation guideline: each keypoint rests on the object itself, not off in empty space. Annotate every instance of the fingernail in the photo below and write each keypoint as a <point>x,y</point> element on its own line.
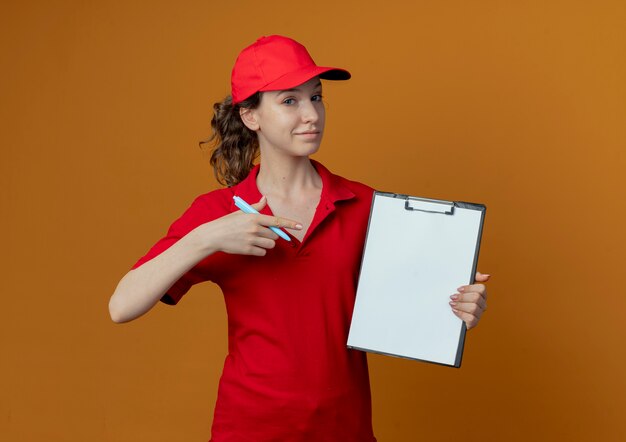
<point>454,297</point>
<point>461,289</point>
<point>452,303</point>
<point>298,226</point>
<point>455,310</point>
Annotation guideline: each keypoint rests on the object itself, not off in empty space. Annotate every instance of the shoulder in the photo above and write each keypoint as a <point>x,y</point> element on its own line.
<point>215,200</point>
<point>208,206</point>
<point>340,185</point>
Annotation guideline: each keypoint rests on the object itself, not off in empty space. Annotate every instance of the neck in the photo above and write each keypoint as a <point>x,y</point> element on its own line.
<point>289,177</point>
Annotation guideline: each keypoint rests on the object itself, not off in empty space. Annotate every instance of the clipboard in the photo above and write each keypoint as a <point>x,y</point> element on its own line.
<point>417,252</point>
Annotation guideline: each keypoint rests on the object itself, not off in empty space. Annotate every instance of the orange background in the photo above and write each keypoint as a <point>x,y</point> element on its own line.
<point>517,105</point>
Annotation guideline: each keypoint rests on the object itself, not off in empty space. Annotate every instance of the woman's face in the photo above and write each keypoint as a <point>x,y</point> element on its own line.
<point>289,122</point>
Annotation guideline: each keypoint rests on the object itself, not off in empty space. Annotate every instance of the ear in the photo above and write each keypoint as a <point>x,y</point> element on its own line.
<point>248,116</point>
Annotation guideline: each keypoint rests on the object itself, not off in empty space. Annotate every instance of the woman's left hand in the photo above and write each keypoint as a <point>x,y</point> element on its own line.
<point>471,301</point>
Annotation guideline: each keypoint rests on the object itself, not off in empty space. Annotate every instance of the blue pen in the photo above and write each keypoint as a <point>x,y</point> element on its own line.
<point>247,208</point>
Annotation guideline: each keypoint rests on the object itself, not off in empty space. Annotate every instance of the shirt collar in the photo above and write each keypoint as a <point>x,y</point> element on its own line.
<point>333,187</point>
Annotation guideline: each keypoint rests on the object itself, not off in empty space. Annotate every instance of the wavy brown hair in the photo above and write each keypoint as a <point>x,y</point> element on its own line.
<point>235,147</point>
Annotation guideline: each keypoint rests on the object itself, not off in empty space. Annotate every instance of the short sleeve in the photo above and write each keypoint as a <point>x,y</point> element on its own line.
<point>201,211</point>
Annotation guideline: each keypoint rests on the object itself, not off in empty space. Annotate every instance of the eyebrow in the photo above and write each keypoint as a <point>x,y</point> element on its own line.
<point>297,89</point>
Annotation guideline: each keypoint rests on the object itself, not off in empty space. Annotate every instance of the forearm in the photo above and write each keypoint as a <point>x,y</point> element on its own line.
<point>236,233</point>
<point>141,288</point>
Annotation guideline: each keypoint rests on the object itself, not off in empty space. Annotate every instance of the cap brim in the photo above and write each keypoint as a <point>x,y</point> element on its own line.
<point>296,78</point>
<point>335,74</point>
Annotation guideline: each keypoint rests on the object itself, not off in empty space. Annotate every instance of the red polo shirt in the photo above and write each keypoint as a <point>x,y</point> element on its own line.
<point>288,375</point>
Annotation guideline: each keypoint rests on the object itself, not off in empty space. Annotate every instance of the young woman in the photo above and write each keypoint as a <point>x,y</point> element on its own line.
<point>288,375</point>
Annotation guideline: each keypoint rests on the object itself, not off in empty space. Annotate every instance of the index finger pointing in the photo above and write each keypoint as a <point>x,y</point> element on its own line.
<point>277,221</point>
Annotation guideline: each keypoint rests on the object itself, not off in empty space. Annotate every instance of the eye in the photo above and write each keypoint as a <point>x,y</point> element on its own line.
<point>317,97</point>
<point>289,101</point>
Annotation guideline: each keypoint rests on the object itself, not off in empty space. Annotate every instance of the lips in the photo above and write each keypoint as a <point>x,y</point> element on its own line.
<point>309,132</point>
<point>309,136</point>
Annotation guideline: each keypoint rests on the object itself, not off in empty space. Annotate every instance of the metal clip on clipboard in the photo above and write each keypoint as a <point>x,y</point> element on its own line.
<point>428,205</point>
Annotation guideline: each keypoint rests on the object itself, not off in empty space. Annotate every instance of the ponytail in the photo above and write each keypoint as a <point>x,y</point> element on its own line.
<point>235,147</point>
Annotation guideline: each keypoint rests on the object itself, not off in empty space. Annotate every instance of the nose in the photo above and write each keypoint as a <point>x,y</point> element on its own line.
<point>310,113</point>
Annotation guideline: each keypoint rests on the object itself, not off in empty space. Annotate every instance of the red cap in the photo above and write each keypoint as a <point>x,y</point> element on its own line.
<point>275,63</point>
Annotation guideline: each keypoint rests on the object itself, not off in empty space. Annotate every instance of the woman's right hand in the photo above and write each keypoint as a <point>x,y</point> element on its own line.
<point>243,233</point>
